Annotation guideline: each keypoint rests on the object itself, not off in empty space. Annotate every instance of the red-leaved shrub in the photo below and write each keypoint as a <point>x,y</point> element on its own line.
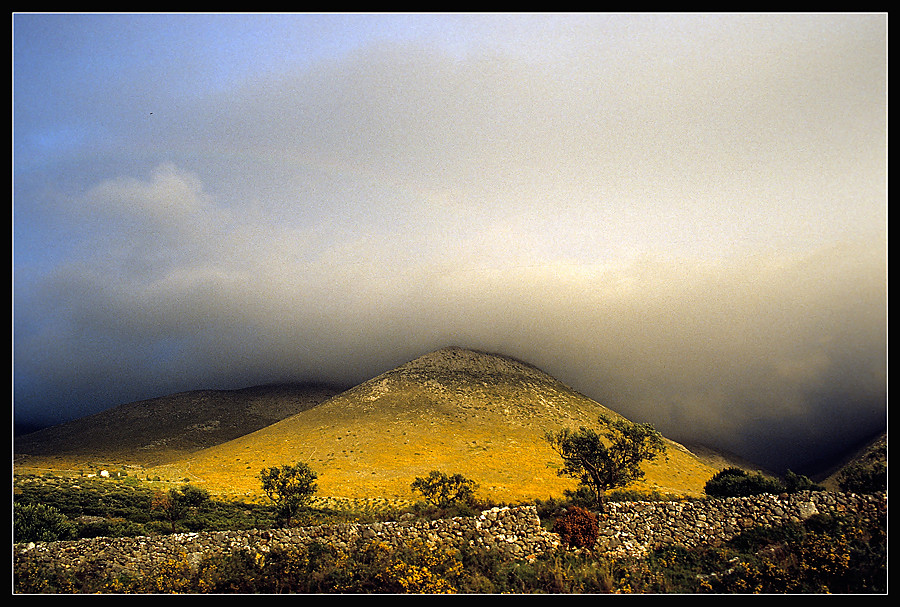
<point>577,527</point>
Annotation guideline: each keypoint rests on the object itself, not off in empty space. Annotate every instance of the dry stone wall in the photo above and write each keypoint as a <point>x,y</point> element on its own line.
<point>511,532</point>
<point>626,529</point>
<point>633,528</point>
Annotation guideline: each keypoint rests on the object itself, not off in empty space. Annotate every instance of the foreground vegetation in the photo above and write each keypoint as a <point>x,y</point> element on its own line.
<point>823,554</point>
<point>81,507</point>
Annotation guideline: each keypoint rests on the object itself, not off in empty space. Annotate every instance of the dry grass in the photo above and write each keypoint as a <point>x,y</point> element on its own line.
<point>454,410</point>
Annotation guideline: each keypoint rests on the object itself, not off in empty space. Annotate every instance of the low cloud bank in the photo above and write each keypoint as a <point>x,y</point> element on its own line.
<point>683,217</point>
<point>778,357</point>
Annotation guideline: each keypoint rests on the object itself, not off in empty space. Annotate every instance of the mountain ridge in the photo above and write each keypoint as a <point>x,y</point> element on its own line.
<point>456,409</point>
<point>152,431</point>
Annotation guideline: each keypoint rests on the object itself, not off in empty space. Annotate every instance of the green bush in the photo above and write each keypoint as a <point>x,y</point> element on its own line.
<point>40,523</point>
<point>868,476</point>
<point>734,482</point>
<point>826,554</point>
<point>110,528</point>
<point>126,506</point>
<point>795,482</point>
<point>582,496</point>
<point>441,490</point>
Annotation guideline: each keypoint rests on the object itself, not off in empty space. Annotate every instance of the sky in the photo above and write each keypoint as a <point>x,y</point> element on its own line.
<point>682,216</point>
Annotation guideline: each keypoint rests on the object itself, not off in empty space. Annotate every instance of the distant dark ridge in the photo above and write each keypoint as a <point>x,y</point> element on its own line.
<point>183,422</point>
<point>21,429</point>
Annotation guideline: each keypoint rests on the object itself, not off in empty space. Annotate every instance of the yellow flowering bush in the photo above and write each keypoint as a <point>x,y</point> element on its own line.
<point>413,579</point>
<point>171,577</point>
<point>414,568</point>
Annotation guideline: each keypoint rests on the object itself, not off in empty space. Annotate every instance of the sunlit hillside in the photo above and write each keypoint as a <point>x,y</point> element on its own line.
<point>453,410</point>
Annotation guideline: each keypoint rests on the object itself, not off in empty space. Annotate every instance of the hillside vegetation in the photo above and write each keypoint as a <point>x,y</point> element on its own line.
<point>871,454</point>
<point>455,410</point>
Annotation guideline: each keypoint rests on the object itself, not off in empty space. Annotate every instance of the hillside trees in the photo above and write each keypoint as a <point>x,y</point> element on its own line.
<point>441,490</point>
<point>289,487</point>
<point>169,507</point>
<point>606,460</point>
<point>177,503</point>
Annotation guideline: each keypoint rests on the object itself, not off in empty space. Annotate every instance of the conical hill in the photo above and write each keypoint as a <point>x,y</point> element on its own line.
<point>454,410</point>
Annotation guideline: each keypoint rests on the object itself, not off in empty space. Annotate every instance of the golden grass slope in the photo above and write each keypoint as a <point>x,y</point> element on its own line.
<point>454,410</point>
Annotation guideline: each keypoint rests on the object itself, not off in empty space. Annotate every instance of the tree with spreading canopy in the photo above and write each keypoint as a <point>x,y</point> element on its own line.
<point>290,488</point>
<point>606,460</point>
<point>442,490</point>
<point>176,504</point>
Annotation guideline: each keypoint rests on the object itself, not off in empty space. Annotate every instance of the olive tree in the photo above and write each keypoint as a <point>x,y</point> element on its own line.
<point>169,506</point>
<point>290,487</point>
<point>175,505</point>
<point>609,459</point>
<point>442,490</point>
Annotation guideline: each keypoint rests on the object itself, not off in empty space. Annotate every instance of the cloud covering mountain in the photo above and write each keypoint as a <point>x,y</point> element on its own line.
<point>682,216</point>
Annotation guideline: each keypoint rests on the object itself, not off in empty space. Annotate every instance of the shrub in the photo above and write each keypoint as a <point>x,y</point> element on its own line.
<point>414,568</point>
<point>577,527</point>
<point>170,506</point>
<point>441,490</point>
<point>797,482</point>
<point>193,497</point>
<point>582,496</point>
<point>110,528</point>
<point>824,554</point>
<point>40,523</point>
<point>869,476</point>
<point>734,482</point>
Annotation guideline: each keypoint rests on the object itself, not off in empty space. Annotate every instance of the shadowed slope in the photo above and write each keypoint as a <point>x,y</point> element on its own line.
<point>454,410</point>
<point>154,431</point>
